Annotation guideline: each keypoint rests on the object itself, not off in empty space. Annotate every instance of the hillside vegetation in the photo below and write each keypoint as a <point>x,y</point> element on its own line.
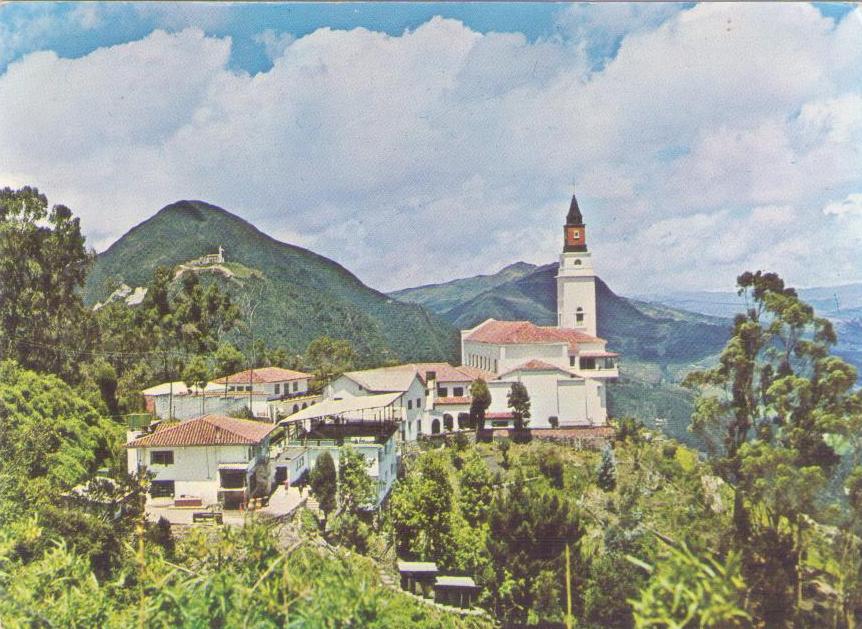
<point>301,295</point>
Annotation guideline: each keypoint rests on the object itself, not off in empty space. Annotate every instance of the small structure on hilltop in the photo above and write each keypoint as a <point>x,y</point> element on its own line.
<point>210,258</point>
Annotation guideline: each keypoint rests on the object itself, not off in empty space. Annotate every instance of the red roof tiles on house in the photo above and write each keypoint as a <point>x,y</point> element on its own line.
<point>474,373</point>
<point>525,332</point>
<point>263,375</point>
<point>210,430</point>
<point>534,365</point>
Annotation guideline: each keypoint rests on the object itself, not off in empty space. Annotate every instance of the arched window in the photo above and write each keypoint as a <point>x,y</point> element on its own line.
<point>295,408</point>
<point>579,315</point>
<point>447,422</point>
<point>577,262</point>
<point>435,426</point>
<point>304,405</point>
<point>463,420</point>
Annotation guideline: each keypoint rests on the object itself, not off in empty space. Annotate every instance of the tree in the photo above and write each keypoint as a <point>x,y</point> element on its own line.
<point>329,358</point>
<point>196,375</point>
<point>519,402</point>
<point>607,472</point>
<point>420,510</point>
<point>229,360</point>
<point>477,491</point>
<point>43,265</point>
<point>686,590</point>
<point>773,401</point>
<point>323,482</point>
<point>479,403</point>
<point>530,526</point>
<point>356,489</point>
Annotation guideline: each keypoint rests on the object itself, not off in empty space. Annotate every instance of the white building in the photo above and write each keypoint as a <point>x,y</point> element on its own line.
<point>274,382</point>
<point>564,368</point>
<point>366,423</point>
<point>408,406</point>
<point>203,461</point>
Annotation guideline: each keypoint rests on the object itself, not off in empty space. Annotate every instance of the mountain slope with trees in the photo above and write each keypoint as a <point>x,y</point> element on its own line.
<point>299,295</point>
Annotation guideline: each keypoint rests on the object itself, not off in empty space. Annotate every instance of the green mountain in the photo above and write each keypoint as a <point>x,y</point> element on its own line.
<point>444,297</point>
<point>300,295</point>
<point>639,330</point>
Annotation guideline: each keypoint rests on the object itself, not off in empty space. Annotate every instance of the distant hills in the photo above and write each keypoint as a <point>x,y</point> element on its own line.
<point>639,330</point>
<point>302,295</point>
<point>841,304</point>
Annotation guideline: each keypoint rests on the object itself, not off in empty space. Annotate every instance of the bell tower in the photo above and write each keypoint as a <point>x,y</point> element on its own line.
<point>576,280</point>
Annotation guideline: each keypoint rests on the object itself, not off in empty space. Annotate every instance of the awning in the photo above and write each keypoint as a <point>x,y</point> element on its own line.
<point>233,466</point>
<point>344,405</point>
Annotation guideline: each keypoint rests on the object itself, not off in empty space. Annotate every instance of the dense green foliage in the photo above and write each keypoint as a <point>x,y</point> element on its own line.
<point>43,265</point>
<point>480,400</point>
<point>231,577</point>
<point>301,295</point>
<point>768,411</point>
<point>323,481</point>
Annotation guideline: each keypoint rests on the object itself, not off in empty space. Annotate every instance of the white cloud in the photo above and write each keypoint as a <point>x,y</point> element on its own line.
<point>274,43</point>
<point>849,206</point>
<point>697,150</point>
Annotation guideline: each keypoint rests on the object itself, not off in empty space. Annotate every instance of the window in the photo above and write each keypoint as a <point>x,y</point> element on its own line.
<point>577,262</point>
<point>576,234</point>
<point>495,365</point>
<point>162,457</point>
<point>295,387</point>
<point>458,391</point>
<point>409,404</point>
<point>442,392</point>
<point>571,361</point>
<point>579,315</point>
<point>162,489</point>
<point>447,422</point>
<point>277,389</point>
<point>419,402</point>
<point>248,387</point>
<point>588,363</point>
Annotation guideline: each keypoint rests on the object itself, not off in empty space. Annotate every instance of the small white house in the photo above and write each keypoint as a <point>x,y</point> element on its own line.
<point>274,382</point>
<point>402,379</point>
<point>208,460</point>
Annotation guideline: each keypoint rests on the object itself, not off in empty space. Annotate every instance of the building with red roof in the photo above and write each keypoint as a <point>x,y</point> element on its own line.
<point>212,459</point>
<point>274,382</point>
<point>564,367</point>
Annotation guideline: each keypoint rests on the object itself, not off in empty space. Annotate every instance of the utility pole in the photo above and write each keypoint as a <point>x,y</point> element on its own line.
<point>250,304</point>
<point>568,588</point>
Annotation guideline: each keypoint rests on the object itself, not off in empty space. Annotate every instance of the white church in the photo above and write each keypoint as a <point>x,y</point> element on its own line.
<point>565,368</point>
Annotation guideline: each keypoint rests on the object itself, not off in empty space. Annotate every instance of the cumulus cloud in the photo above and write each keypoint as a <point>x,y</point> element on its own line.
<point>697,149</point>
<point>852,205</point>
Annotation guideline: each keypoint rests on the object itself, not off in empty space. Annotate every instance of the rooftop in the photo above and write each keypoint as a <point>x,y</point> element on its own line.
<point>535,365</point>
<point>458,582</point>
<point>209,430</point>
<point>263,375</point>
<point>328,408</point>
<point>526,333</point>
<point>380,431</point>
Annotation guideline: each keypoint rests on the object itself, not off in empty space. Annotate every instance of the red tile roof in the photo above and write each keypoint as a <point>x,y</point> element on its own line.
<point>263,375</point>
<point>525,332</point>
<point>452,400</point>
<point>210,430</point>
<point>534,365</point>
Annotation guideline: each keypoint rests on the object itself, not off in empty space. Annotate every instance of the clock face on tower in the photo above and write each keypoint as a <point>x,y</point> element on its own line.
<point>575,236</point>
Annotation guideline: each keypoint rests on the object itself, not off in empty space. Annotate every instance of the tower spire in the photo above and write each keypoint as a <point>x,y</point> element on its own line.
<point>574,216</point>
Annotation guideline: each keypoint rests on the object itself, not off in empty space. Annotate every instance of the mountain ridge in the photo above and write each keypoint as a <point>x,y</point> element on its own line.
<point>302,294</point>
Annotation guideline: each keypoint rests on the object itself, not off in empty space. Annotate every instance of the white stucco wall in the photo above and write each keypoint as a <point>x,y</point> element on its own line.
<point>195,469</point>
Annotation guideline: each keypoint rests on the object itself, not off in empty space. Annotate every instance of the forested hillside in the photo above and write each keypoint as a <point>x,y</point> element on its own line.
<point>299,294</point>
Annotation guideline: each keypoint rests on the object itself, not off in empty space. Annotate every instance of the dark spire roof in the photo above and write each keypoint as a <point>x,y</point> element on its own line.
<point>574,217</point>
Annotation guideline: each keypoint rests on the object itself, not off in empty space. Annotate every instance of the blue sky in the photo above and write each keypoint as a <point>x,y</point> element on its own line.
<point>444,139</point>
